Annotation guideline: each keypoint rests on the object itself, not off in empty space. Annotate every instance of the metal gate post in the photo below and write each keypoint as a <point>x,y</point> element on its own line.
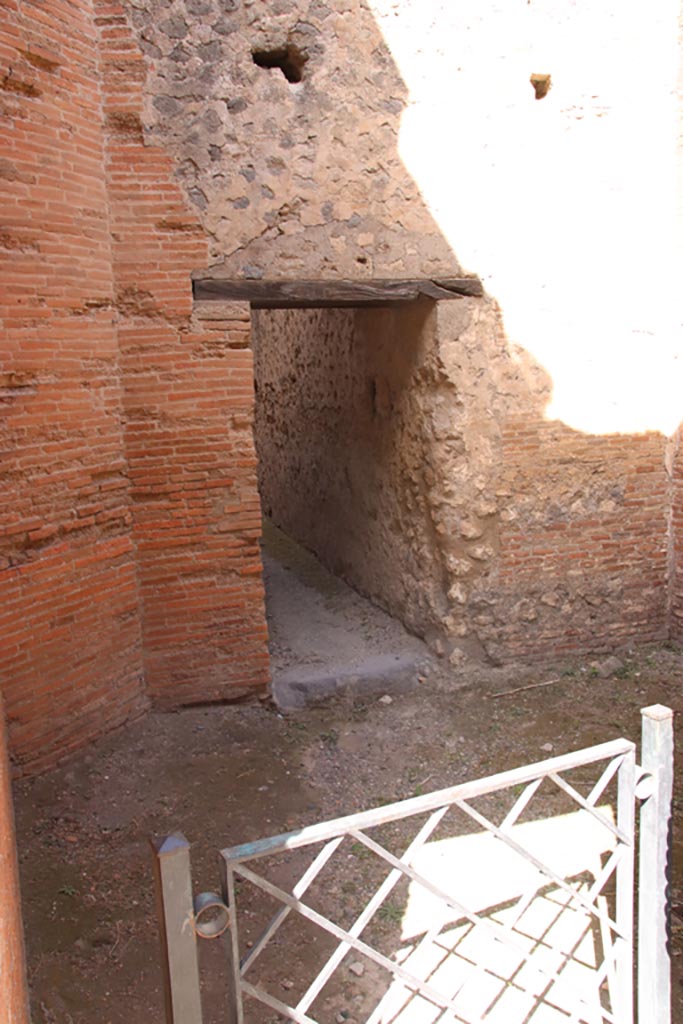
<point>235,1009</point>
<point>626,813</point>
<point>180,966</point>
<point>654,966</point>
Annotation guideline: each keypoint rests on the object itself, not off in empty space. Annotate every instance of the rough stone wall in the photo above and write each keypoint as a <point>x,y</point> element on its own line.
<point>188,400</point>
<point>561,536</point>
<point>70,645</point>
<point>408,449</point>
<point>289,179</point>
<point>347,405</point>
<point>351,173</point>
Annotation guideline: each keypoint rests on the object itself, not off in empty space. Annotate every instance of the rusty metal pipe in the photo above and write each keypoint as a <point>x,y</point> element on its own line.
<point>13,987</point>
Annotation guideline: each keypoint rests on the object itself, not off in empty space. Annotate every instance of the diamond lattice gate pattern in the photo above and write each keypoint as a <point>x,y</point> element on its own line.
<point>506,899</point>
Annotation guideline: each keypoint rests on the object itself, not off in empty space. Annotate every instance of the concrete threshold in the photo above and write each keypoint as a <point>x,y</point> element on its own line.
<point>326,640</point>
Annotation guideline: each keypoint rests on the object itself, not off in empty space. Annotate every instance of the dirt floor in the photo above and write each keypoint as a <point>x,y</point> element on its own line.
<point>229,774</point>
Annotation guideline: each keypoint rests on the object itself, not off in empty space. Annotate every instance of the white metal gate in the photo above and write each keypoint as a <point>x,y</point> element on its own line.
<point>528,917</point>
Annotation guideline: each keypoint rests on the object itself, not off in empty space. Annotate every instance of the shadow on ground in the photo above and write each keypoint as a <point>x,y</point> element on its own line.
<point>227,775</point>
<point>325,638</point>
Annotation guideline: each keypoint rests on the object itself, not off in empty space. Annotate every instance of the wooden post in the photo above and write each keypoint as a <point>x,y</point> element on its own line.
<point>654,966</point>
<point>13,987</point>
<point>180,966</point>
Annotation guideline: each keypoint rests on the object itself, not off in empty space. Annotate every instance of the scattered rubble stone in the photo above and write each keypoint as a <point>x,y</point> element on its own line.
<point>609,667</point>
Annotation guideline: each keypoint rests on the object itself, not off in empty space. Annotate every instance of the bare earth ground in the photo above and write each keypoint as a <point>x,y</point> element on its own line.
<point>230,774</point>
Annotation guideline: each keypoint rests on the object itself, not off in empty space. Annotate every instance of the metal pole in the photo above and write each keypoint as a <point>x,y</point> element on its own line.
<point>235,1013</point>
<point>654,967</point>
<point>623,997</point>
<point>13,988</point>
<point>180,966</point>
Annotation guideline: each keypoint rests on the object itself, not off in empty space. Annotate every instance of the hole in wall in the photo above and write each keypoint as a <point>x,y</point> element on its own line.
<point>541,85</point>
<point>289,59</point>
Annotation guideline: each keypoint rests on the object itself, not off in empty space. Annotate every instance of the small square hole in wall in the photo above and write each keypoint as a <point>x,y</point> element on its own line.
<point>289,59</point>
<point>541,84</point>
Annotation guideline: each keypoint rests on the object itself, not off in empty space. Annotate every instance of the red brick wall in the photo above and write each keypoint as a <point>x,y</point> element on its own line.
<point>583,545</point>
<point>70,645</point>
<point>130,516</point>
<point>189,398</point>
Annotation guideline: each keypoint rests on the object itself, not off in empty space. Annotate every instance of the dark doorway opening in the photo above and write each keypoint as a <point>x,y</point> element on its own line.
<point>343,378</point>
<point>329,476</point>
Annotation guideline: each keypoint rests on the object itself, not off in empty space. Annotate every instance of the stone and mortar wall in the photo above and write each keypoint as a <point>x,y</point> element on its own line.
<point>347,406</point>
<point>413,146</point>
<point>407,447</point>
<point>70,643</point>
<point>289,179</point>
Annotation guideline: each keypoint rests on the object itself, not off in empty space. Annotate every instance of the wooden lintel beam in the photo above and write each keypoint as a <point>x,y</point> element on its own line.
<point>316,294</point>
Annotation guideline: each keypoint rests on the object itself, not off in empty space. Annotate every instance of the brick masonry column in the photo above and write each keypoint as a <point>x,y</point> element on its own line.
<point>13,988</point>
<point>70,639</point>
<point>188,411</point>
